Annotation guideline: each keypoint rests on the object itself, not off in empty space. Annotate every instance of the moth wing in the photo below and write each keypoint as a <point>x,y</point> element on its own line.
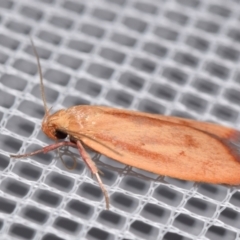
<point>159,145</point>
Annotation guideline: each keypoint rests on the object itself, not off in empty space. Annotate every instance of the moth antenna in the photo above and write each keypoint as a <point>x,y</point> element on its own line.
<point>40,77</point>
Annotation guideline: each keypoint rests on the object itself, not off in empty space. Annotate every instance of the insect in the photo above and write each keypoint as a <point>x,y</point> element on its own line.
<point>165,145</point>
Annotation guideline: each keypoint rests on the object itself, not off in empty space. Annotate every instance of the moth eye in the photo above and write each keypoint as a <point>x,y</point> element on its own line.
<point>60,134</point>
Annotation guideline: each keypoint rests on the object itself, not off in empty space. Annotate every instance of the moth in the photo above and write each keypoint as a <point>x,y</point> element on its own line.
<point>164,145</point>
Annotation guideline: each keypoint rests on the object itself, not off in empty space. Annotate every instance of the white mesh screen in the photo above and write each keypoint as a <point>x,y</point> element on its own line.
<point>176,57</point>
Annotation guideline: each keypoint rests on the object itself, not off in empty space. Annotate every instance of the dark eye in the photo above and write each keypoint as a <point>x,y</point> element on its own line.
<point>60,134</point>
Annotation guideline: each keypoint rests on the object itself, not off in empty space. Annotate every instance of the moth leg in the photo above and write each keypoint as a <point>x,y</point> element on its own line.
<point>86,158</point>
<point>46,149</point>
<point>66,166</point>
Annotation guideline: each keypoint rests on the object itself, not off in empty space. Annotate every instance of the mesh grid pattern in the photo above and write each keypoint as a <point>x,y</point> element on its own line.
<point>177,57</point>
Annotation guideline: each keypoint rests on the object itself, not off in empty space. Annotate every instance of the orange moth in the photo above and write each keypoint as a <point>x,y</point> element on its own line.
<point>171,146</point>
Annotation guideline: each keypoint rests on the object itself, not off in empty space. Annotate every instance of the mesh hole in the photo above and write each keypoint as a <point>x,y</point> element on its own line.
<point>18,27</point>
<point>31,109</point>
<point>146,7</point>
<point>20,126</point>
<point>44,138</point>
<point>144,230</point>
<point>73,6</point>
<point>50,236</point>
<point>188,224</point>
<point>8,42</point>
<point>201,207</point>
<point>61,22</point>
<point>124,202</point>
<point>48,198</point>
<point>60,182</point>
<point>103,14</point>
<point>194,103</point>
<point>22,231</point>
<point>132,81</point>
<point>56,76</point>
<point>175,75</point>
<point>93,31</point>
<point>216,192</point>
<point>4,162</point>
<point>230,217</point>
<point>219,233</point>
<point>189,3</point>
<point>1,116</point>
<point>175,236</point>
<point>177,17</point>
<point>50,37</point>
<point>155,49</point>
<point>15,188</point>
<point>7,4</point>
<point>7,205</point>
<point>135,24</point>
<point>27,171</point>
<point>13,82</point>
<point>1,223</point>
<point>144,65</point>
<point>163,91</point>
<point>134,185</point>
<point>186,59</point>
<point>118,2</point>
<point>80,46</point>
<point>219,10</point>
<point>100,71</point>
<point>234,34</point>
<point>146,105</point>
<point>156,213</point>
<point>31,12</point>
<point>90,191</point>
<point>69,61</point>
<point>95,233</point>
<point>237,77</point>
<point>91,88</point>
<point>235,199</point>
<point>67,225</point>
<point>48,1</point>
<point>25,66</point>
<point>228,53</point>
<point>119,97</point>
<point>6,99</point>
<point>35,214</point>
<point>9,144</point>
<point>197,43</point>
<point>123,40</point>
<point>166,33</point>
<point>168,196</point>
<point>208,26</point>
<point>217,70</point>
<point>233,95</point>
<point>80,209</point>
<point>3,58</point>
<point>112,55</point>
<point>225,113</point>
<point>206,86</point>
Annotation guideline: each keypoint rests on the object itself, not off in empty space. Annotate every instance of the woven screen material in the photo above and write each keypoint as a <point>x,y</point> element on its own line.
<point>175,57</point>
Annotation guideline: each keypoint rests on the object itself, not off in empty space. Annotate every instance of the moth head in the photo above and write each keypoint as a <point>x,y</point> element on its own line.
<point>51,129</point>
